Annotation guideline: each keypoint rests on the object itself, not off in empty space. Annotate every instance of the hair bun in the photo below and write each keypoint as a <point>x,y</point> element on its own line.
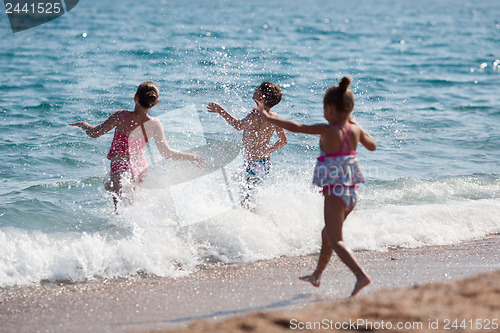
<point>148,93</point>
<point>151,93</point>
<point>344,83</point>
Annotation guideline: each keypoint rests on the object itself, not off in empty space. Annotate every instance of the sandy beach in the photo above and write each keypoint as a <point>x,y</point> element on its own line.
<point>270,294</point>
<point>469,305</point>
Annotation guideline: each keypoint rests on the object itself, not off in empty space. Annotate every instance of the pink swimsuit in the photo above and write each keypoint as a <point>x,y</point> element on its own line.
<point>339,173</point>
<point>127,154</point>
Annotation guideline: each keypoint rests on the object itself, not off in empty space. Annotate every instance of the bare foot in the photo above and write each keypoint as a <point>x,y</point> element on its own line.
<point>310,278</point>
<point>360,284</point>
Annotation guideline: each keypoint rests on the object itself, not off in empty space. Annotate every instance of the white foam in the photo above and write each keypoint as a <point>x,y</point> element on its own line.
<point>158,236</point>
<point>421,225</point>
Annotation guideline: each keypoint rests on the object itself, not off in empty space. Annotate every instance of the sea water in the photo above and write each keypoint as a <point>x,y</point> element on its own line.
<point>425,75</point>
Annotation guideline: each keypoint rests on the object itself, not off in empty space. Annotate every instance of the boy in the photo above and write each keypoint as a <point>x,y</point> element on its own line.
<point>257,134</point>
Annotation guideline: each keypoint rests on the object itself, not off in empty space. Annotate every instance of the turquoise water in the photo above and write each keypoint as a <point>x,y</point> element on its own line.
<point>426,78</point>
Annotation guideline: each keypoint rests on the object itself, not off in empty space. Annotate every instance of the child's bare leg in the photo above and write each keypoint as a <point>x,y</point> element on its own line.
<point>114,186</point>
<point>324,257</point>
<point>334,218</point>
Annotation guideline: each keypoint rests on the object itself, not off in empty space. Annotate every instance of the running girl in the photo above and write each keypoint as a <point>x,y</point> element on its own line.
<point>337,172</point>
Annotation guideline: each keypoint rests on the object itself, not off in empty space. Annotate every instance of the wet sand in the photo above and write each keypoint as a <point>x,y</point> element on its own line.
<point>148,303</point>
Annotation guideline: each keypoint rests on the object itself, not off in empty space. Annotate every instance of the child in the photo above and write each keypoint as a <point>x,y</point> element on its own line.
<point>132,131</point>
<point>337,172</point>
<point>257,134</point>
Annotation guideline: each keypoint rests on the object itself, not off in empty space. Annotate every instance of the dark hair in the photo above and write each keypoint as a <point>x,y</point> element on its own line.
<point>148,93</point>
<point>340,96</point>
<point>271,93</point>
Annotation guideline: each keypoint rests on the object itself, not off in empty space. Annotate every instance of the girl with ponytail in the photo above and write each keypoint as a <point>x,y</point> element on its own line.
<point>337,173</point>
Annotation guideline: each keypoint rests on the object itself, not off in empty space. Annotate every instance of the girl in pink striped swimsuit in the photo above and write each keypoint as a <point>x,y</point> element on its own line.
<point>337,172</point>
<point>132,132</point>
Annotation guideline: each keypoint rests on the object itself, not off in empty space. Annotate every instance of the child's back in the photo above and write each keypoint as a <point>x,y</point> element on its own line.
<point>256,137</point>
<point>335,139</point>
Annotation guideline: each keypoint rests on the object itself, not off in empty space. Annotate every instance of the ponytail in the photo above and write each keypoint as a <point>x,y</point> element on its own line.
<point>341,97</point>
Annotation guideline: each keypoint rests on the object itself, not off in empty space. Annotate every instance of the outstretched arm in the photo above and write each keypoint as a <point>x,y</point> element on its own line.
<point>293,126</point>
<point>236,123</point>
<point>97,131</point>
<point>169,153</point>
<point>365,139</point>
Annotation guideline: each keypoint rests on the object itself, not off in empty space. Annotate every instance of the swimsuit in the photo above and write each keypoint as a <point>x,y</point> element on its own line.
<point>339,173</point>
<point>255,172</point>
<point>127,154</point>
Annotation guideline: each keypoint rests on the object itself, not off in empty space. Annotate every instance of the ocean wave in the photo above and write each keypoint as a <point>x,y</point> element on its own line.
<point>172,232</point>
